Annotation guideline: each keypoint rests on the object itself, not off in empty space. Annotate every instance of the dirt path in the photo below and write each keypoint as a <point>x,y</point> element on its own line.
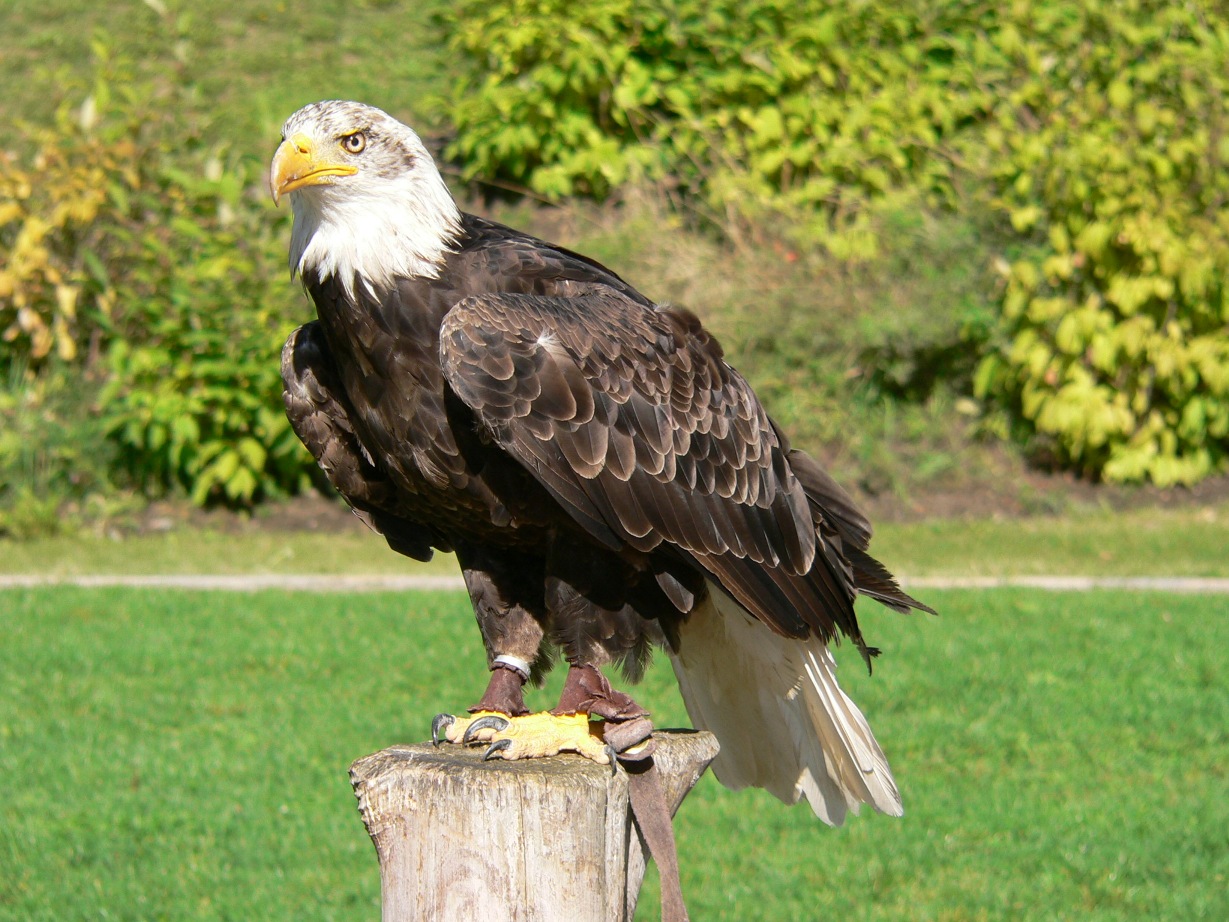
<point>316,583</point>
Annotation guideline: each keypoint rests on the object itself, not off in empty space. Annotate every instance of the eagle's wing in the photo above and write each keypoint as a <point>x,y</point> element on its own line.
<point>631,419</point>
<point>321,416</point>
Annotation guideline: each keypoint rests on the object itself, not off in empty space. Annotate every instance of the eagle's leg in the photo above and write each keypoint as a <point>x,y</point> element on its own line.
<point>585,594</point>
<point>589,593</point>
<point>504,693</point>
<point>587,691</point>
<point>505,590</point>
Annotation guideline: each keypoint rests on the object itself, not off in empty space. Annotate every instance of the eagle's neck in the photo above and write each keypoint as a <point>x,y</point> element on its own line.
<point>393,229</point>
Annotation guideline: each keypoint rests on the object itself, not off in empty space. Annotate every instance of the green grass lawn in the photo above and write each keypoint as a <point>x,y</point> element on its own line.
<point>1189,541</point>
<point>183,755</point>
<point>1152,542</point>
<point>192,552</point>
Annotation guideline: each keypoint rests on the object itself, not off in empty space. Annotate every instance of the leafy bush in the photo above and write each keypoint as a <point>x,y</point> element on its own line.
<point>157,266</point>
<point>55,218</point>
<point>752,107</point>
<point>1084,142</point>
<point>1111,162</point>
<point>194,400</point>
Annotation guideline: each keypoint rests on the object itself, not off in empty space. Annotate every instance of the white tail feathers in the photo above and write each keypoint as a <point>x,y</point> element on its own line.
<point>783,722</point>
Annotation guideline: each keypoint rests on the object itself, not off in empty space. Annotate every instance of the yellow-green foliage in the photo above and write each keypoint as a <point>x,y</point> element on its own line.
<point>149,270</point>
<point>1111,158</point>
<point>751,107</point>
<point>51,235</point>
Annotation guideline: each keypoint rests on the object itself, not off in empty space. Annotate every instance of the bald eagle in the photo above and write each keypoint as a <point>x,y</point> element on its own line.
<point>608,483</point>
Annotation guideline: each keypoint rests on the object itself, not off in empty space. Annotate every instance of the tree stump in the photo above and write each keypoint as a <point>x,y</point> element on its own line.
<point>547,840</point>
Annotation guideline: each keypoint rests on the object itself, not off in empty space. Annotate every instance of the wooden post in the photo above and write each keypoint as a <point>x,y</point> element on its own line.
<point>547,840</point>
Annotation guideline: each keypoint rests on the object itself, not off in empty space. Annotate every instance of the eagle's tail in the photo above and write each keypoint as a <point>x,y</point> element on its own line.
<point>783,722</point>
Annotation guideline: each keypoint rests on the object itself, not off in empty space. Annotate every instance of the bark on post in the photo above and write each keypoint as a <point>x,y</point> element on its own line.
<point>547,840</point>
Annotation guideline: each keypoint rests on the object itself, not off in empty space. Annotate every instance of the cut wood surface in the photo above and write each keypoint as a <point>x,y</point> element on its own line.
<point>548,840</point>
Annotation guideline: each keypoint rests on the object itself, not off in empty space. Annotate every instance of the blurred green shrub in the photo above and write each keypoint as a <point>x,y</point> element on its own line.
<point>1084,142</point>
<point>134,258</point>
<point>1111,162</point>
<point>751,108</point>
<point>54,457</point>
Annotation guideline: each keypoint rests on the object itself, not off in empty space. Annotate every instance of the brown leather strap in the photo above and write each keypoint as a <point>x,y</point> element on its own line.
<point>652,815</point>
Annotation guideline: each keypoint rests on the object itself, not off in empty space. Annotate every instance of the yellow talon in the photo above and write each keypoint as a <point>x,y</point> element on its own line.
<point>532,736</point>
<point>457,730</point>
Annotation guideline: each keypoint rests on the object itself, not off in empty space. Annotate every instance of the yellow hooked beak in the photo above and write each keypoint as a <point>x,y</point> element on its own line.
<point>296,165</point>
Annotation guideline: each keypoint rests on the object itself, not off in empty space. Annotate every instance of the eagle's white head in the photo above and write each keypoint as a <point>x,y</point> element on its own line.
<point>368,201</point>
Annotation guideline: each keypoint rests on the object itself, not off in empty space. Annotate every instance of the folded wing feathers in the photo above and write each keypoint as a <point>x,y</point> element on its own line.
<point>711,477</point>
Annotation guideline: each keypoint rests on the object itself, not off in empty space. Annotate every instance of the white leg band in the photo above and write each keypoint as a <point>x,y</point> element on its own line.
<point>515,663</point>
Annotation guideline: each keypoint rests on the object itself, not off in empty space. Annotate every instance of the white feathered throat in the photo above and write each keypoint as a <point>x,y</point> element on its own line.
<point>376,228</point>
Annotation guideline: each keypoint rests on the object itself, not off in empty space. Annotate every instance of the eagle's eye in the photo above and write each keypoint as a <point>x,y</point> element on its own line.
<point>354,143</point>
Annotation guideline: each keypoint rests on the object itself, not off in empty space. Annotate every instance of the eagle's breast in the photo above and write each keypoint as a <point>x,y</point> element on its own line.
<point>386,344</point>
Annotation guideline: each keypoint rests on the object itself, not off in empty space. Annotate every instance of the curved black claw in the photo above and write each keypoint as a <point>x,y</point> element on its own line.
<point>614,759</point>
<point>439,724</point>
<point>489,722</point>
<point>497,746</point>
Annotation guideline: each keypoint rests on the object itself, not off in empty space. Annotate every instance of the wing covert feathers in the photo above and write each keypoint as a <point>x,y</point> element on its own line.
<point>783,721</point>
<point>629,415</point>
